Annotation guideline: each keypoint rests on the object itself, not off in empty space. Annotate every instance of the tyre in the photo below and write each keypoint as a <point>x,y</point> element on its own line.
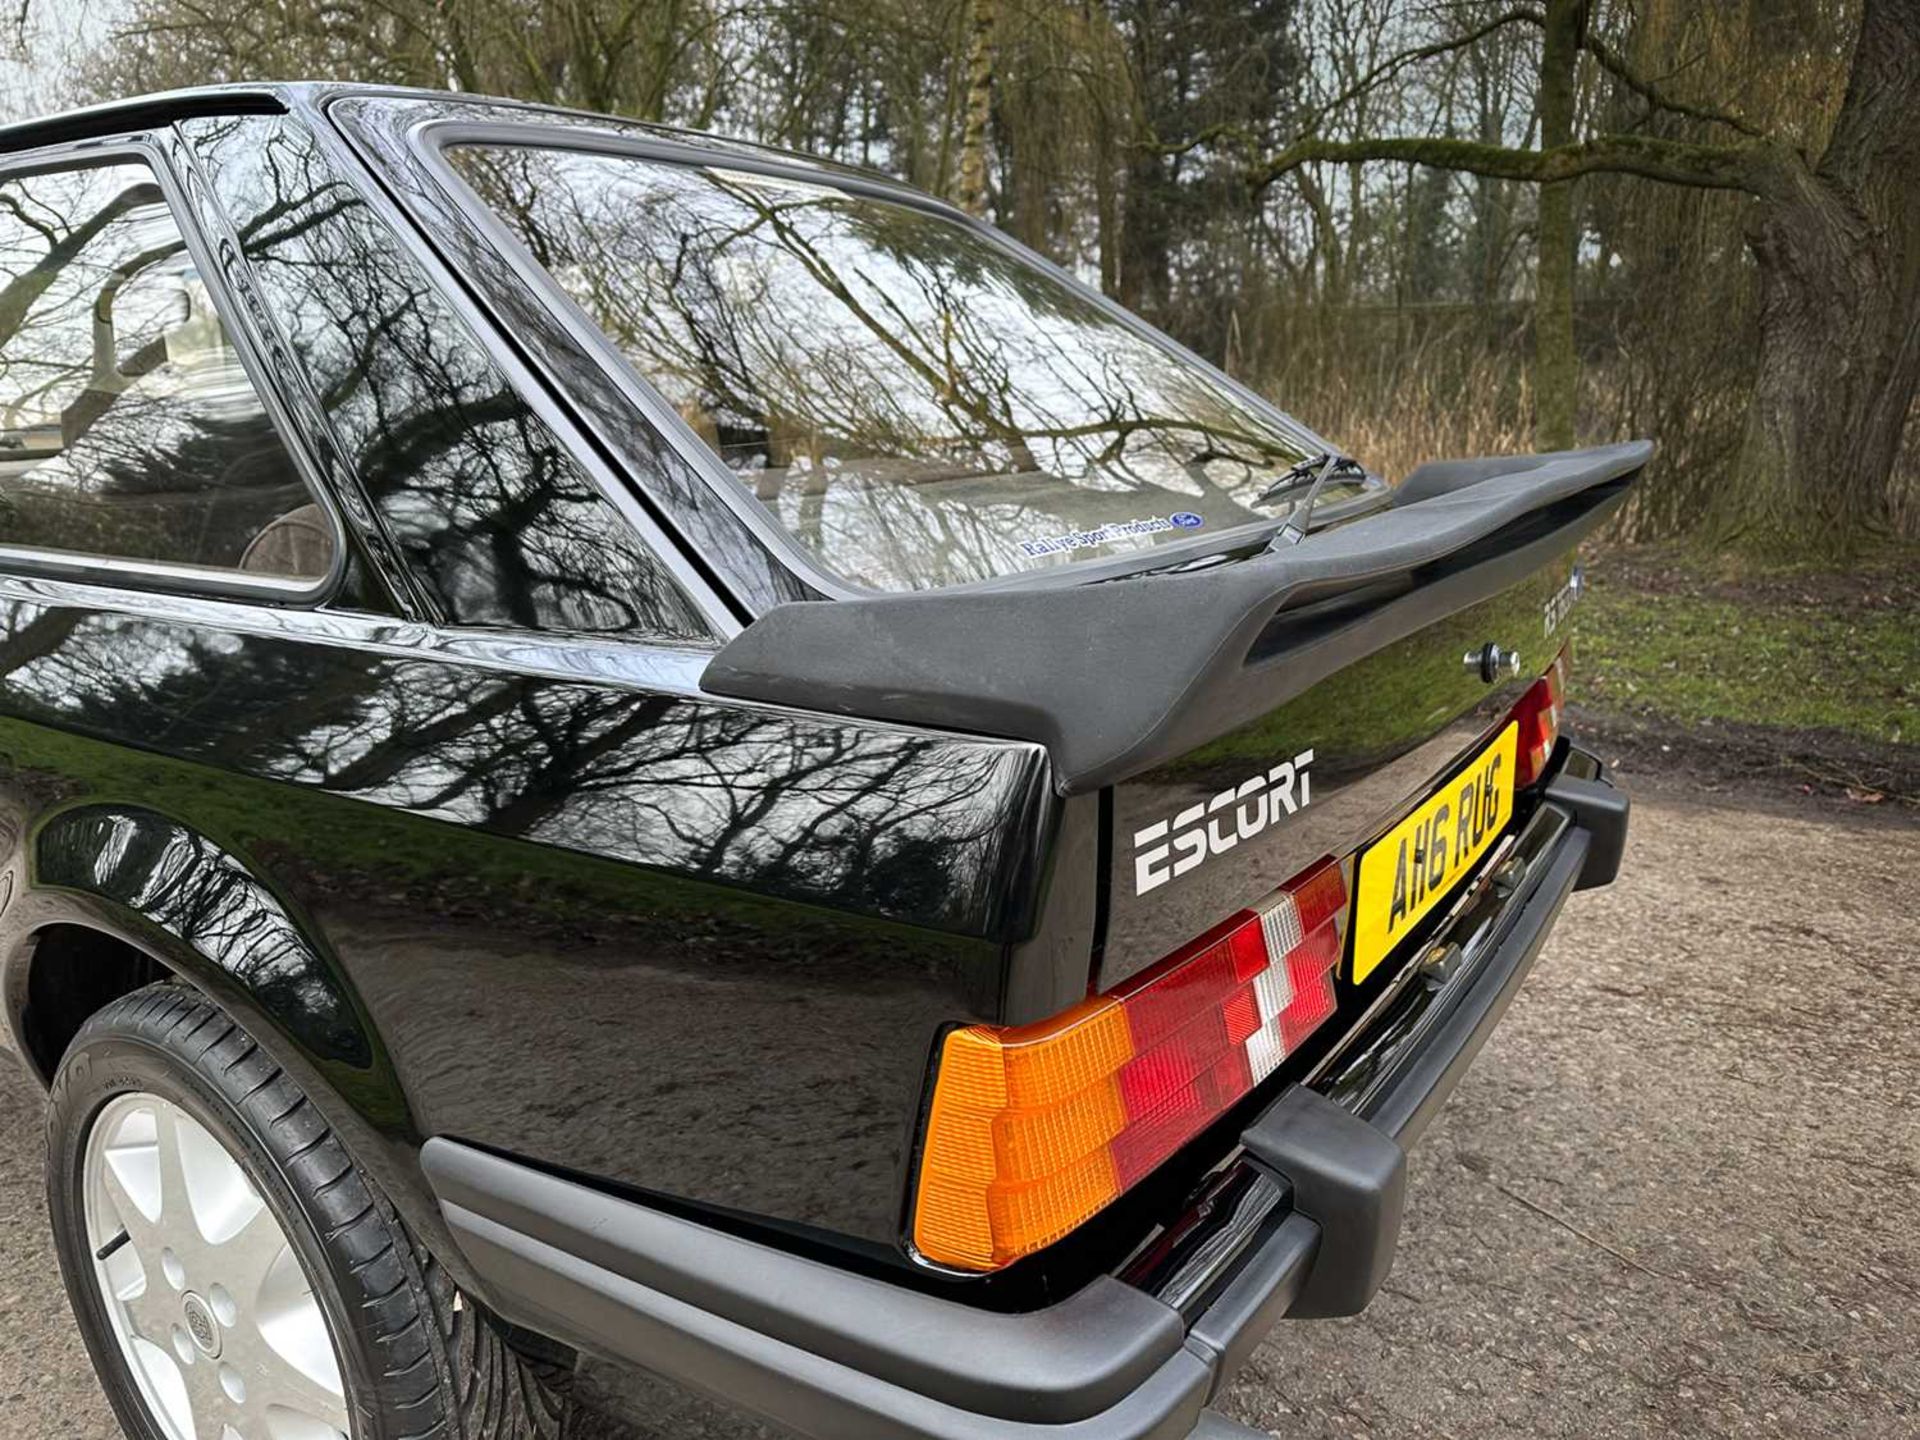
<point>235,1275</point>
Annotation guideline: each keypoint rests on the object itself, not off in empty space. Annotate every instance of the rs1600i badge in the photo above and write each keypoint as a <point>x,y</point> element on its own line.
<point>1168,848</point>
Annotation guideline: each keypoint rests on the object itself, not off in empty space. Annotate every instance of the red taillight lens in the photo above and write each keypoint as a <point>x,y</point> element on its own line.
<point>1033,1130</point>
<point>1538,714</point>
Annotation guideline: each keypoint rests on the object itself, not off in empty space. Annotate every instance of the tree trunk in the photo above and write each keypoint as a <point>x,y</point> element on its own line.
<point>971,194</point>
<point>1838,250</point>
<point>1555,366</point>
<point>1146,236</point>
<point>1107,207</point>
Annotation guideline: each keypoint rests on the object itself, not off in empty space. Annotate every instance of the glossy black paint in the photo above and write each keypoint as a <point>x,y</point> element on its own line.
<point>465,837</point>
<point>484,874</point>
<point>1380,732</point>
<point>607,925</point>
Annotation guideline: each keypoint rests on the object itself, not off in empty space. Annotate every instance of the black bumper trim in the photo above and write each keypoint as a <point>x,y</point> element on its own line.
<point>1065,1362</point>
<point>1597,807</point>
<point>1348,1178</point>
<point>557,1293</point>
<point>1262,1290</point>
<point>1427,1077</point>
<point>839,1356</point>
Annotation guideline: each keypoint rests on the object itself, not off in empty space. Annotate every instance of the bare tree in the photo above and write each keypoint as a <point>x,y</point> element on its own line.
<point>1837,241</point>
<point>1351,200</point>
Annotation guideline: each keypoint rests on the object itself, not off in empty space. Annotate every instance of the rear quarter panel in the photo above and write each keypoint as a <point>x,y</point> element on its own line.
<point>697,949</point>
<point>572,908</point>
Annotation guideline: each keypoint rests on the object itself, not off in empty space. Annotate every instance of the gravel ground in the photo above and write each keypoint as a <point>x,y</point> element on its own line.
<point>1676,1195</point>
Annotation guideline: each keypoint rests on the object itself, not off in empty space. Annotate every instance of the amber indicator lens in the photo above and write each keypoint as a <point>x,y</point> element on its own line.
<point>1034,1129</point>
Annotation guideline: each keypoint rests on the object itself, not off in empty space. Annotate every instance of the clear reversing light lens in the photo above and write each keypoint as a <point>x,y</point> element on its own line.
<point>1034,1129</point>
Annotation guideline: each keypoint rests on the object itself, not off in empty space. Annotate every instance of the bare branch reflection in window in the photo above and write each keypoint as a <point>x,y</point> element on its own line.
<point>913,401</point>
<point>128,426</point>
<point>500,524</point>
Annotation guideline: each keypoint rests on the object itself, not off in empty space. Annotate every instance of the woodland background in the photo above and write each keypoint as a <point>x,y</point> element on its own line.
<point>1336,199</point>
<point>1427,227</point>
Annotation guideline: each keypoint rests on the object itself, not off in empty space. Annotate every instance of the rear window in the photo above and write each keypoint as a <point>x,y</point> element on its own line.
<point>914,403</point>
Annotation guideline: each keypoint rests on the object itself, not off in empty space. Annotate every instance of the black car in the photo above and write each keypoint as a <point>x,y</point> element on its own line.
<point>620,744</point>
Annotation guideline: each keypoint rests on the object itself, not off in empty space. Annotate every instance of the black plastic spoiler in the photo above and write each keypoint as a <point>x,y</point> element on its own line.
<point>1116,677</point>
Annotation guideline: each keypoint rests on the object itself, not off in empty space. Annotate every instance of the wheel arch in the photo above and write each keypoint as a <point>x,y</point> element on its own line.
<point>148,884</point>
<point>57,975</point>
<point>102,898</point>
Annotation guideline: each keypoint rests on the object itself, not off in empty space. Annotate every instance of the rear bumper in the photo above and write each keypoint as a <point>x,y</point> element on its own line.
<point>1303,1220</point>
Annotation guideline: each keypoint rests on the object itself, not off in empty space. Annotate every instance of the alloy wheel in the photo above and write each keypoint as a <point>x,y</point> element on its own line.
<point>213,1310</point>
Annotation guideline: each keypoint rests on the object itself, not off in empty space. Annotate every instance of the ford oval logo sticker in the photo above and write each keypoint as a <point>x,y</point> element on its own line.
<point>1187,520</point>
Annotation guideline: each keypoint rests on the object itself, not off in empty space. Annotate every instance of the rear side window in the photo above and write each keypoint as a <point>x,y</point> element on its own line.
<point>501,525</point>
<point>128,428</point>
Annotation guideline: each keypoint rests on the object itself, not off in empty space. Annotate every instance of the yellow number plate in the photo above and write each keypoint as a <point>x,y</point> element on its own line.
<point>1410,869</point>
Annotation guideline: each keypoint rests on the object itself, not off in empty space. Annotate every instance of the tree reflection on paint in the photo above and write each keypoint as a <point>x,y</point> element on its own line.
<point>868,817</point>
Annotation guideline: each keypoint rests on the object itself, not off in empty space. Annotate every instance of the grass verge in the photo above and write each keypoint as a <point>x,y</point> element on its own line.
<point>1817,673</point>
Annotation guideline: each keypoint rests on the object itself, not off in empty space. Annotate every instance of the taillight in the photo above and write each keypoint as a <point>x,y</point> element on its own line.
<point>1538,713</point>
<point>1034,1129</point>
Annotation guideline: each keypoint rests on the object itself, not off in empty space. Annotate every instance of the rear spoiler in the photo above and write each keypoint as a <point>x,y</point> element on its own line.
<point>1118,676</point>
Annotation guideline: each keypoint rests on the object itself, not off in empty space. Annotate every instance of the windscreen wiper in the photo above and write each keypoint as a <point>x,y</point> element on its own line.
<point>1315,468</point>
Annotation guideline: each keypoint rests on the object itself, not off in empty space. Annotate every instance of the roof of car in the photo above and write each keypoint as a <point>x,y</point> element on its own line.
<point>280,96</point>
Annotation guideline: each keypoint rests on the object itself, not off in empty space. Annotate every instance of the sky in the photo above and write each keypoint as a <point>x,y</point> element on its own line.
<point>38,77</point>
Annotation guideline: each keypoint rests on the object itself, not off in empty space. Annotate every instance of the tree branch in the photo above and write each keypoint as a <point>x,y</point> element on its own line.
<point>1394,64</point>
<point>1756,167</point>
<point>1386,70</point>
<point>1609,59</point>
<point>1615,64</point>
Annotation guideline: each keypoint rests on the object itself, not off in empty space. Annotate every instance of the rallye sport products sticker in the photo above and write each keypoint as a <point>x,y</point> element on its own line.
<point>1113,530</point>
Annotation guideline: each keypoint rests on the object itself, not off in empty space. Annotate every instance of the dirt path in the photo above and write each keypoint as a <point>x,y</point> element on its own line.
<point>1676,1195</point>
